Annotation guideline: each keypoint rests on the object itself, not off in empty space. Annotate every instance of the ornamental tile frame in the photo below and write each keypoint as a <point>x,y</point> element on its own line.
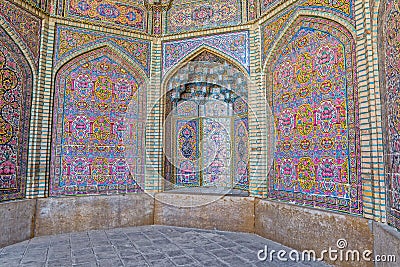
<point>26,25</point>
<point>313,117</point>
<point>20,20</point>
<point>98,127</point>
<point>370,126</point>
<point>131,14</point>
<point>191,15</point>
<point>183,76</point>
<point>371,131</point>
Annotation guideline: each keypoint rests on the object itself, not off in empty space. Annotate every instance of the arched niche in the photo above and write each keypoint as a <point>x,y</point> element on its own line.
<point>206,125</point>
<point>98,125</point>
<point>313,94</point>
<point>16,83</point>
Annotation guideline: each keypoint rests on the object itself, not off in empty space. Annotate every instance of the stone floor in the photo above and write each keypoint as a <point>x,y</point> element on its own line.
<point>144,246</point>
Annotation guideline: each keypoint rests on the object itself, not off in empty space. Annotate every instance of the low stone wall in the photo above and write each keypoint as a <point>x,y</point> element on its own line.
<point>16,221</point>
<point>386,244</point>
<point>227,213</point>
<point>75,214</point>
<point>313,229</point>
<point>298,227</point>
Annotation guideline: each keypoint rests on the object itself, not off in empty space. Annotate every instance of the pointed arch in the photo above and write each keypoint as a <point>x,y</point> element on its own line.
<point>98,124</point>
<point>297,17</point>
<point>21,44</point>
<point>198,51</point>
<point>177,171</point>
<point>106,44</point>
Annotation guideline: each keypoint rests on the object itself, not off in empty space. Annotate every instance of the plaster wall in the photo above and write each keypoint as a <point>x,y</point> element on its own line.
<point>205,212</point>
<point>75,214</point>
<point>16,221</point>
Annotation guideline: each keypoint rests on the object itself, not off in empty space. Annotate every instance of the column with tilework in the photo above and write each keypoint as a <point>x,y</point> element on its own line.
<point>154,129</point>
<point>257,119</point>
<point>372,161</point>
<point>41,114</point>
<point>244,11</point>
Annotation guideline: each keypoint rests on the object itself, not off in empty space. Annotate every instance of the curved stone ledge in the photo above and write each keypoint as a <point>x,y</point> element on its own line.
<point>301,228</point>
<point>305,228</point>
<point>386,243</point>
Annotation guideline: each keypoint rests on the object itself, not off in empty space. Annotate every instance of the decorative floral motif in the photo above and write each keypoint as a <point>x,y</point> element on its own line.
<point>391,27</point>
<point>26,25</point>
<point>70,39</point>
<point>267,5</point>
<point>15,103</point>
<point>343,6</point>
<point>204,14</point>
<point>187,153</point>
<point>315,110</point>
<point>216,152</point>
<point>236,45</point>
<point>241,143</point>
<point>187,109</point>
<point>157,20</point>
<point>220,116</point>
<point>98,126</point>
<point>270,30</point>
<point>123,13</point>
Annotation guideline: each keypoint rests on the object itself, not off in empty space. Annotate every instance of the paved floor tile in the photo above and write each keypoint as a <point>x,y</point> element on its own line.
<point>144,246</point>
